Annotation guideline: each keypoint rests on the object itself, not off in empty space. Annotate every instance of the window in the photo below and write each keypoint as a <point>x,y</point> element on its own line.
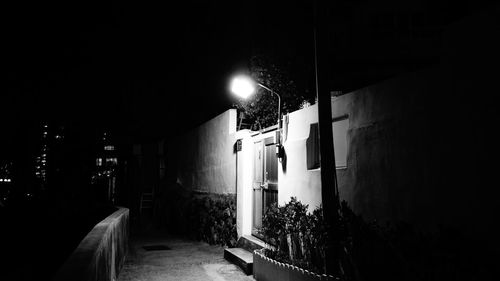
<point>339,129</point>
<point>312,144</point>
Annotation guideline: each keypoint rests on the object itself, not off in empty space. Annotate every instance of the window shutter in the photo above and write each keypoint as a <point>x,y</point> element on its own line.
<point>313,147</point>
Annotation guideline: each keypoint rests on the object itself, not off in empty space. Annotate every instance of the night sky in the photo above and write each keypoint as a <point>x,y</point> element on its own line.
<point>147,71</point>
<point>143,70</point>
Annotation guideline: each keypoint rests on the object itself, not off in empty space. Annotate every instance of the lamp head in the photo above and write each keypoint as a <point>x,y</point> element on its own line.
<point>242,86</point>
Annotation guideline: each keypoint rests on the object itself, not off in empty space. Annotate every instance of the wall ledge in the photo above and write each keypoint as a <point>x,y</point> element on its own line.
<point>101,254</point>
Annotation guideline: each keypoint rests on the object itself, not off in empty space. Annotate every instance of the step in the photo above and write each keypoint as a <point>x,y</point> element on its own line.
<point>250,243</point>
<point>240,257</point>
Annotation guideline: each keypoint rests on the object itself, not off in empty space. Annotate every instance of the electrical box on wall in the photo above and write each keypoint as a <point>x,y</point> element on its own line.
<point>238,145</point>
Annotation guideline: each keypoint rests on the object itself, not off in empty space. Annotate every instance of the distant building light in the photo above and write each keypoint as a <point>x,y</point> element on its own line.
<point>111,161</point>
<point>98,162</point>
<point>109,147</point>
<point>58,136</point>
<point>1,180</point>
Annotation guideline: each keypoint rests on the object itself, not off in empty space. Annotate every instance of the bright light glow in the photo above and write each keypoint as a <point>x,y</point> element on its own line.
<point>242,86</point>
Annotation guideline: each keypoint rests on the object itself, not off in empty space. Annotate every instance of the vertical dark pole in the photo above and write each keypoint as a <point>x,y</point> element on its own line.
<point>329,194</point>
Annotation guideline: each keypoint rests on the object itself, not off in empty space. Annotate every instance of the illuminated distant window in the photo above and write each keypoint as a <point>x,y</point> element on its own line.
<point>109,147</point>
<point>111,161</point>
<point>98,162</point>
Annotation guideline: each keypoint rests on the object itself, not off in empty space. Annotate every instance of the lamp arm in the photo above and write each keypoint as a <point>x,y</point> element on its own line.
<point>279,107</point>
<point>279,101</point>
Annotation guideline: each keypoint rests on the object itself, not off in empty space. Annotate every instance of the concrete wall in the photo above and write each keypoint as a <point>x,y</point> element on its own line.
<point>421,146</point>
<point>293,176</point>
<point>204,158</point>
<point>101,253</point>
<point>417,153</point>
<point>391,148</point>
<point>244,184</point>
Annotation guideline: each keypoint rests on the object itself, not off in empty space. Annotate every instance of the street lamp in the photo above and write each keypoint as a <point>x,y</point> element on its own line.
<point>243,86</point>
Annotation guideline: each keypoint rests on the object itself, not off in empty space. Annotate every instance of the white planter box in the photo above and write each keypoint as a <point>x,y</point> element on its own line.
<point>266,269</point>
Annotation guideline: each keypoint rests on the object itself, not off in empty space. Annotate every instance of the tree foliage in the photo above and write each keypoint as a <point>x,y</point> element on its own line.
<point>261,109</point>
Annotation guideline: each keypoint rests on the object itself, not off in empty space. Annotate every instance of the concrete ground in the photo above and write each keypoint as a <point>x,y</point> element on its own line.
<point>186,260</point>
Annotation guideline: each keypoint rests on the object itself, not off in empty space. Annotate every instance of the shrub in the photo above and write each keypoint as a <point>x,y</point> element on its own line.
<point>213,220</point>
<point>295,236</point>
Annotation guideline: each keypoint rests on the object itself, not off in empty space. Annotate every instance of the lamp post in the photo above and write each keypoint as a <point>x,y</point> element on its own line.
<point>244,86</point>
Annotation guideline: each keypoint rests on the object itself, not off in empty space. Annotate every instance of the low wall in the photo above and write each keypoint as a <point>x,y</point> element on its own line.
<point>101,253</point>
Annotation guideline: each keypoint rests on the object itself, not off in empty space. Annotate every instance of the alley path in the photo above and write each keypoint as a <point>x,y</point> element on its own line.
<point>185,260</point>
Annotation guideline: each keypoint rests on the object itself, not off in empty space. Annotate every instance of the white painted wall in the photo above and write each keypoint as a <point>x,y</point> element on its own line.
<point>297,180</point>
<point>244,160</point>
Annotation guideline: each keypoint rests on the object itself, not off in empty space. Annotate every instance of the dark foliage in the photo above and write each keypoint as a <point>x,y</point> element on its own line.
<point>399,252</point>
<point>213,220</point>
<point>261,109</point>
<point>295,236</point>
<point>370,251</point>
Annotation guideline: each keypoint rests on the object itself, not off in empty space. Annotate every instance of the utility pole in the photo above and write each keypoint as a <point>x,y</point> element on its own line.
<point>329,190</point>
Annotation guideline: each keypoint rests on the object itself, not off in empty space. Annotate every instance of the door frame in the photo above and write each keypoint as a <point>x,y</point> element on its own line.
<point>261,181</point>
